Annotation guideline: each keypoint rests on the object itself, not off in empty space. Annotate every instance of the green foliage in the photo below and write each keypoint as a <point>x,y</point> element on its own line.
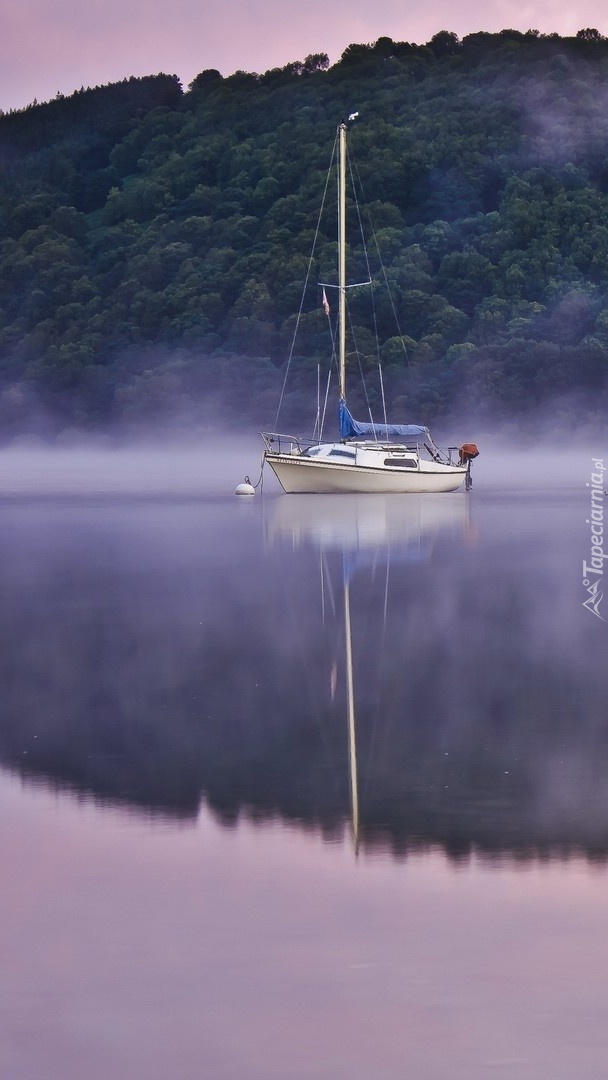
<point>153,244</point>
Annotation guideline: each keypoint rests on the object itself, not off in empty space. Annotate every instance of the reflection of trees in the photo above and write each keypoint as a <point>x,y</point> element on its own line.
<point>155,676</point>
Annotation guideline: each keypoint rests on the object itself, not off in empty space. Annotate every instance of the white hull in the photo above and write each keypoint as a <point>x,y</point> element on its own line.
<point>299,475</point>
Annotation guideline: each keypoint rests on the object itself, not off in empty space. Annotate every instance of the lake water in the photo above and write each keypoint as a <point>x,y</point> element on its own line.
<point>207,871</point>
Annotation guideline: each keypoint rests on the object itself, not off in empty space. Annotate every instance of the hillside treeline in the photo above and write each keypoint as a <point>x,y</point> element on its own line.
<point>154,242</point>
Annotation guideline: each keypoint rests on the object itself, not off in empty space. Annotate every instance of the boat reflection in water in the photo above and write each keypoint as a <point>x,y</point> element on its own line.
<point>165,662</point>
<point>396,529</point>
<point>481,722</point>
<point>369,535</point>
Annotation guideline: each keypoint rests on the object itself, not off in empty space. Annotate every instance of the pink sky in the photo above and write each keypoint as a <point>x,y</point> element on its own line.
<point>46,47</point>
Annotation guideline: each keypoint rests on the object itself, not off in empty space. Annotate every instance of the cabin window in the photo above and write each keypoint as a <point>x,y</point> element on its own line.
<point>402,463</point>
<point>342,453</point>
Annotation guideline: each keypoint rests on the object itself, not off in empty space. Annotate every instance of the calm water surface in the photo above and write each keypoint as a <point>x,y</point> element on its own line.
<point>206,873</point>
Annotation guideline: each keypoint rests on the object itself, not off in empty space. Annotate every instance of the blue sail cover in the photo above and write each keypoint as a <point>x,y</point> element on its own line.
<point>352,429</point>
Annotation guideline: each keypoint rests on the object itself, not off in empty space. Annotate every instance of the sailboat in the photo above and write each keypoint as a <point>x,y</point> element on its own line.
<point>368,457</point>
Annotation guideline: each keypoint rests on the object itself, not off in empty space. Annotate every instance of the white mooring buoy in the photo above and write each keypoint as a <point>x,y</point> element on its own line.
<point>246,488</point>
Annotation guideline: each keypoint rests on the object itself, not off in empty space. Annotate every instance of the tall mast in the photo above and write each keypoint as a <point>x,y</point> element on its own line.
<point>342,260</point>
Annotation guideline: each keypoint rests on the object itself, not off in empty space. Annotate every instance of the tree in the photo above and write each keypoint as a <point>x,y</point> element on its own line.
<point>444,43</point>
<point>315,62</point>
<point>590,34</point>
<point>206,80</point>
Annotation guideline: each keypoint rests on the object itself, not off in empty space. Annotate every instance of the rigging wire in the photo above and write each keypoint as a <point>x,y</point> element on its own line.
<point>369,274</point>
<point>352,162</point>
<point>382,266</point>
<point>361,373</point>
<point>306,280</point>
<point>356,184</point>
<point>382,392</point>
<point>333,364</point>
<point>317,423</point>
<point>325,404</point>
<point>365,252</point>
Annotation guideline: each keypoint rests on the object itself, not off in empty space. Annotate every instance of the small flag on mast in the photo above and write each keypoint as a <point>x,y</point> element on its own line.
<point>325,303</point>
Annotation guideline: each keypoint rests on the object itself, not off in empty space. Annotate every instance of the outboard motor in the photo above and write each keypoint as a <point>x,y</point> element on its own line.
<point>468,452</point>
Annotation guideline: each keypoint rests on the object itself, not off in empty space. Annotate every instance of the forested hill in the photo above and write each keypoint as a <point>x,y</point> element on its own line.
<point>154,242</point>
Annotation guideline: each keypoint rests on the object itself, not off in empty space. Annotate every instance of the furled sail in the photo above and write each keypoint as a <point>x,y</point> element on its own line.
<point>352,429</point>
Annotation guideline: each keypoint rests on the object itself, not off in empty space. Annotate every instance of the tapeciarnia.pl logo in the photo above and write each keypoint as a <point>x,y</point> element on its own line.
<point>593,571</point>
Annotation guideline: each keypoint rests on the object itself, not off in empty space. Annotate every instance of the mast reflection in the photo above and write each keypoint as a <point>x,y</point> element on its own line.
<point>368,533</point>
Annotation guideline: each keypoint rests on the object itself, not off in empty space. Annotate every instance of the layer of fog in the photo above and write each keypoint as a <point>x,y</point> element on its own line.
<point>215,466</point>
<point>143,468</point>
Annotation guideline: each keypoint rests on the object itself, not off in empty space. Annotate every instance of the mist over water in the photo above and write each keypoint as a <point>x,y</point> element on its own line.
<point>510,460</point>
<point>193,466</point>
<point>161,634</point>
<point>178,823</point>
